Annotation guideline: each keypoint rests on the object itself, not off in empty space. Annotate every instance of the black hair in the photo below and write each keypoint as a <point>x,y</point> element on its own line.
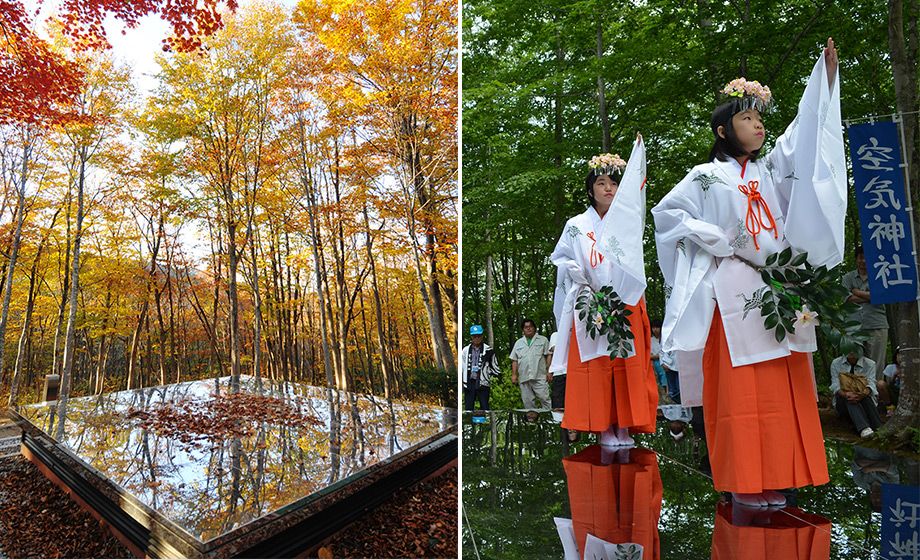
<point>525,321</point>
<point>728,147</point>
<point>859,251</point>
<point>592,178</point>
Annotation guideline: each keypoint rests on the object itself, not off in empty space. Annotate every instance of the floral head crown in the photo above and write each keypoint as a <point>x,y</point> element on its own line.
<point>748,95</point>
<point>607,164</point>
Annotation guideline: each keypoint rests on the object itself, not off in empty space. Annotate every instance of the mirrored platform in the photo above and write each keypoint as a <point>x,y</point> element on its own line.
<point>522,477</point>
<point>210,471</point>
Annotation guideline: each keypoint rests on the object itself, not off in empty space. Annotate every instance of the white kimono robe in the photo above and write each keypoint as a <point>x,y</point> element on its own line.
<point>594,252</point>
<point>707,217</point>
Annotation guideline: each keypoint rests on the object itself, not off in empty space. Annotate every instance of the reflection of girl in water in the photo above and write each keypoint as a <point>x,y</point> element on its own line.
<point>618,502</point>
<point>769,534</point>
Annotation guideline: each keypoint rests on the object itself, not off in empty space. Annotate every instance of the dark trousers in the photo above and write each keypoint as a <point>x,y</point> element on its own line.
<point>474,391</point>
<point>557,391</point>
<point>699,427</point>
<point>863,414</point>
<point>673,385</point>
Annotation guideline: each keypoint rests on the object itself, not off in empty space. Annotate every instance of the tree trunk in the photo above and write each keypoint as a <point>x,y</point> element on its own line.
<point>306,179</point>
<point>161,331</point>
<point>339,291</point>
<point>232,294</point>
<point>22,348</point>
<point>70,340</point>
<point>14,250</point>
<point>145,306</point>
<point>601,94</point>
<point>442,347</point>
<point>103,350</point>
<point>381,339</point>
<point>903,50</point>
<point>65,287</point>
<point>257,309</point>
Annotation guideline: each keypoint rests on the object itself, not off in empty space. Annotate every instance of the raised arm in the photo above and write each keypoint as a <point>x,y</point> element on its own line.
<point>808,166</point>
<point>830,62</point>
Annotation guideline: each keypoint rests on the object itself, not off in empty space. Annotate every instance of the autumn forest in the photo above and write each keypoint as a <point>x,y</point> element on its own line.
<point>282,204</point>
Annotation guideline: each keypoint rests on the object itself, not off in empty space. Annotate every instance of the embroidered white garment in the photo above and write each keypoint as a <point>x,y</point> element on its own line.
<point>594,252</point>
<point>710,214</point>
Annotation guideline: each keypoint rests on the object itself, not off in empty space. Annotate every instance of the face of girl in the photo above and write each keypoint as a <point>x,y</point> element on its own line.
<point>749,129</point>
<point>605,188</point>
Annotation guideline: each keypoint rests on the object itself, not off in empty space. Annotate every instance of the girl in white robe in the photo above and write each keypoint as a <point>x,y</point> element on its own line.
<point>758,395</point>
<point>603,247</point>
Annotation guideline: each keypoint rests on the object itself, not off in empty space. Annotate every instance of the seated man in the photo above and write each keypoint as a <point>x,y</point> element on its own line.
<point>855,392</point>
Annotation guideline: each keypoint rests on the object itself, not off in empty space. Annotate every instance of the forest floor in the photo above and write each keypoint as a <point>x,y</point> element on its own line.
<point>38,520</point>
<point>419,522</point>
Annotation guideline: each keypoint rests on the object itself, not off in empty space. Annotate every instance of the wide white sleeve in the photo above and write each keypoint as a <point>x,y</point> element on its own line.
<point>620,235</point>
<point>680,219</point>
<point>563,256</point>
<point>808,166</point>
<point>687,243</point>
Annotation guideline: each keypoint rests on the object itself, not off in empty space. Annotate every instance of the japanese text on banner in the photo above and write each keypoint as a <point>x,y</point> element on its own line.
<point>883,218</point>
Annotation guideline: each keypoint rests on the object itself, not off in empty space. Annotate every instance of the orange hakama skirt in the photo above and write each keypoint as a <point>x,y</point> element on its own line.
<point>618,502</point>
<point>762,425</point>
<point>791,534</point>
<point>601,392</point>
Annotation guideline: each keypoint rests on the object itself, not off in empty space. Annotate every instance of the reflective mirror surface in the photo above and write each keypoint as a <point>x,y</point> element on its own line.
<point>520,472</point>
<point>211,460</point>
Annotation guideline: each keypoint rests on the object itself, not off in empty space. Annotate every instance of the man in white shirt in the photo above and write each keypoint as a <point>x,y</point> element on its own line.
<point>530,359</point>
<point>857,405</point>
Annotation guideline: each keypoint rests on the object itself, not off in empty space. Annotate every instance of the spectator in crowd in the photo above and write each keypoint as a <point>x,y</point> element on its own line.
<point>872,318</point>
<point>530,359</point>
<point>479,365</point>
<point>889,388</point>
<point>660,374</point>
<point>855,392</point>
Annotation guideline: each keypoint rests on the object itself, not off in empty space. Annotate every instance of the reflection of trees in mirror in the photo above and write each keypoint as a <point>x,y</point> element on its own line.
<point>214,484</point>
<point>688,503</point>
<point>514,484</point>
<point>511,469</point>
<point>856,527</point>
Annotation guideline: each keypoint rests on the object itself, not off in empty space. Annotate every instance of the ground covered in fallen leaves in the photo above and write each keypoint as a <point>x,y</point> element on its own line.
<point>419,522</point>
<point>38,520</point>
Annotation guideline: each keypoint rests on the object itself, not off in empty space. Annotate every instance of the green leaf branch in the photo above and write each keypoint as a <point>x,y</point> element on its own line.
<point>605,314</point>
<point>795,288</point>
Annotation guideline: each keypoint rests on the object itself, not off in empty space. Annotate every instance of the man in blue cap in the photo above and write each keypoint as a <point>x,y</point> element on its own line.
<point>478,364</point>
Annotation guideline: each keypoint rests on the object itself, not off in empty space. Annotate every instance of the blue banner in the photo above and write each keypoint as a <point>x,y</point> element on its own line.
<point>900,522</point>
<point>883,218</point>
